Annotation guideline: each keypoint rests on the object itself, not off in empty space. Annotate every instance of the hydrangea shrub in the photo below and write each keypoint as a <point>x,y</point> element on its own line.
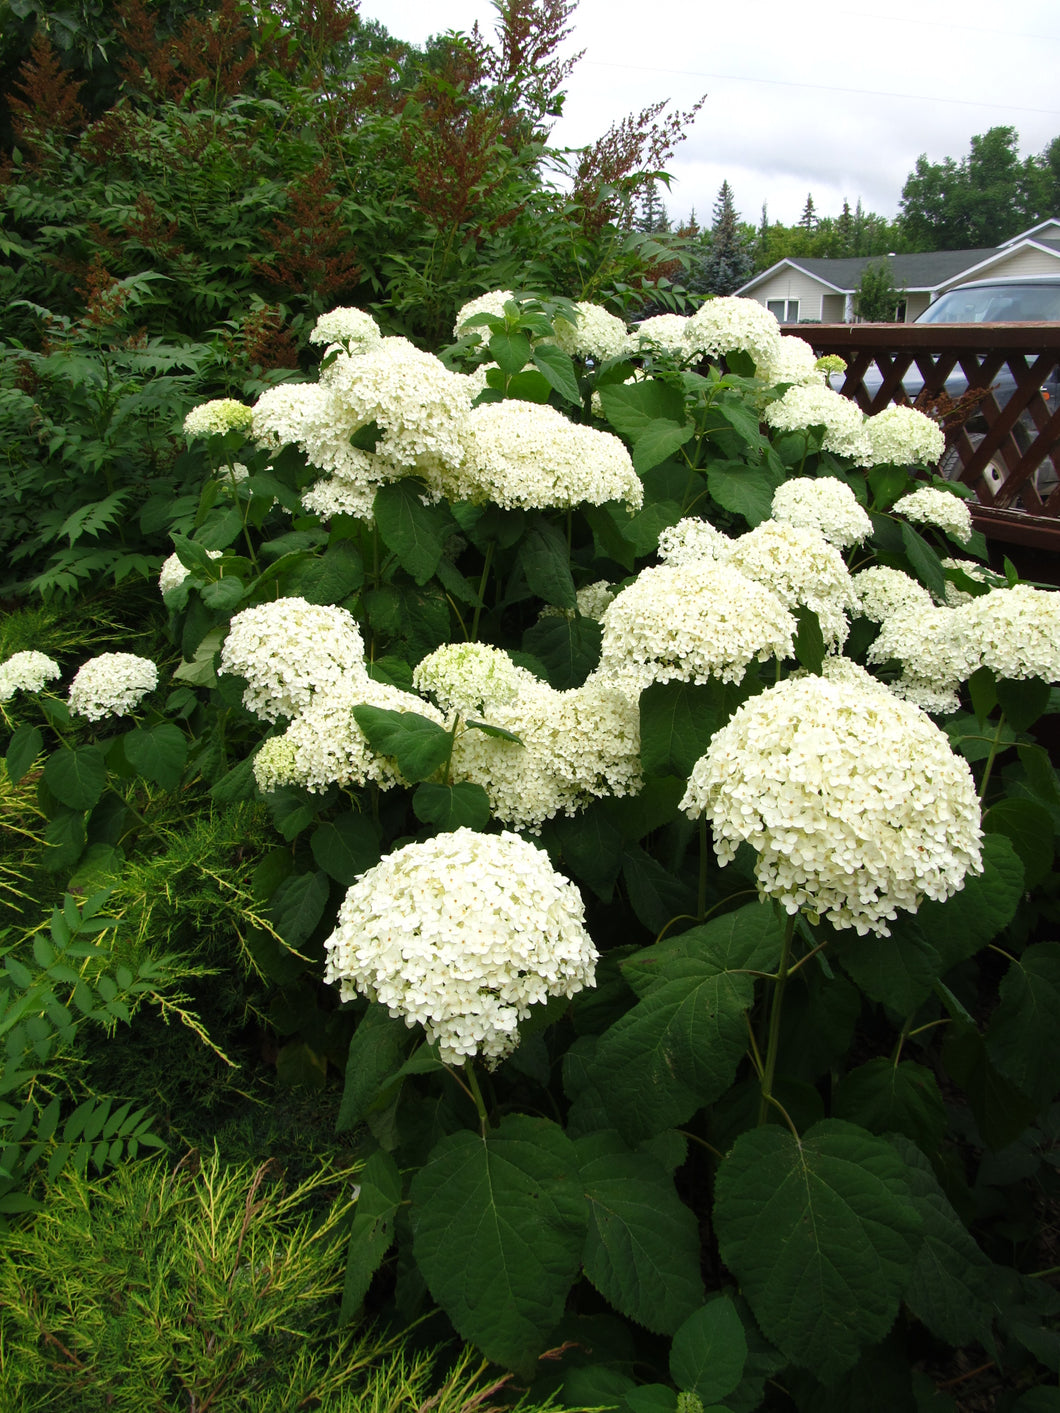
<point>662,811</point>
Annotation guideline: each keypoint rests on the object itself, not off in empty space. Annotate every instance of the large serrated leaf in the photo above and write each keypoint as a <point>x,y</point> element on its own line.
<point>743,490</point>
<point>418,744</point>
<point>923,561</point>
<point>631,408</point>
<point>642,1247</point>
<point>1029,828</point>
<point>372,1232</point>
<point>819,1232</point>
<point>158,753</point>
<point>559,370</point>
<point>545,561</point>
<point>24,747</point>
<point>677,1049</point>
<point>377,1052</point>
<point>899,970</point>
<point>679,719</point>
<point>971,918</point>
<point>499,1224</point>
<point>77,778</point>
<point>569,648</point>
<point>709,1351</point>
<point>748,939</point>
<point>346,846</point>
<point>949,1282</point>
<point>415,532</point>
<point>900,1098</point>
<point>1023,1039</point>
<point>298,905</point>
<point>461,806</point>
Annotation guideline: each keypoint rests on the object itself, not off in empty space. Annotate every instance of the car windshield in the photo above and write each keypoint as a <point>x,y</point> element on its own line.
<point>996,304</point>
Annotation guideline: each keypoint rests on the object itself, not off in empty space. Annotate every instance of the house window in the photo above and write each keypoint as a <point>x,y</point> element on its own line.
<point>786,310</point>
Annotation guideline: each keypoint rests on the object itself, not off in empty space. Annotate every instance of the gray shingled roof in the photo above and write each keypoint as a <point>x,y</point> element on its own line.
<point>911,272</point>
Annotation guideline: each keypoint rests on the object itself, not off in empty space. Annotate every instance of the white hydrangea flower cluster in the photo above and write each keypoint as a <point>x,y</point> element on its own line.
<point>416,401</point>
<point>346,326</point>
<point>26,672</point>
<point>111,684</point>
<point>471,677</point>
<point>883,592</point>
<point>324,746</point>
<point>1015,632</point>
<point>528,455</point>
<point>666,332</point>
<point>837,668</point>
<point>729,324</point>
<point>823,503</point>
<point>799,566</point>
<point>936,652</point>
<point>803,406</point>
<point>691,541</point>
<point>462,934</point>
<point>689,623</point>
<point>902,436</point>
<point>221,414</point>
<point>573,747</point>
<point>275,765</point>
<point>853,800</point>
<point>289,649</point>
<point>794,362</point>
<point>491,303</point>
<point>174,573</point>
<point>930,506</point>
<point>597,334</point>
<point>341,495</point>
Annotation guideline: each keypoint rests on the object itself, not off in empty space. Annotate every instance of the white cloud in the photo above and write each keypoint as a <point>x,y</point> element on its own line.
<point>837,100</point>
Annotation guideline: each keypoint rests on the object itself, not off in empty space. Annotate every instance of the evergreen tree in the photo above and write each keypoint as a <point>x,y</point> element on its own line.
<point>808,219</point>
<point>844,228</point>
<point>651,216</point>
<point>730,261</point>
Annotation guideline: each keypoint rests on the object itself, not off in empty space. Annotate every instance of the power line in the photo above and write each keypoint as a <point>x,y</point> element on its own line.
<point>825,88</point>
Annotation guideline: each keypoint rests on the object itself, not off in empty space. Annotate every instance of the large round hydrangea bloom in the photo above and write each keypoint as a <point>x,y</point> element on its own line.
<point>852,798</point>
<point>462,934</point>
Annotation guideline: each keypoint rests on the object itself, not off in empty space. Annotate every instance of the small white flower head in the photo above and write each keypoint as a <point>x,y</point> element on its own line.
<point>491,303</point>
<point>529,456</point>
<point>223,414</point>
<point>597,335</point>
<point>826,504</point>
<point>852,799</point>
<point>936,651</point>
<point>689,623</point>
<point>275,765</point>
<point>803,407</point>
<point>471,677</point>
<point>573,747</point>
<point>111,685</point>
<point>800,567</point>
<point>1015,632</point>
<point>666,332</point>
<point>729,324</point>
<point>26,672</point>
<point>883,592</point>
<point>340,495</point>
<point>592,599</point>
<point>931,506</point>
<point>902,436</point>
<point>794,362</point>
<point>328,746</point>
<point>350,327</point>
<point>289,649</point>
<point>692,541</point>
<point>462,934</point>
<point>174,573</point>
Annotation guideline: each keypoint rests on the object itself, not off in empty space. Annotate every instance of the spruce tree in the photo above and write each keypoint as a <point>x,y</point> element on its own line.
<point>729,263</point>
<point>808,219</point>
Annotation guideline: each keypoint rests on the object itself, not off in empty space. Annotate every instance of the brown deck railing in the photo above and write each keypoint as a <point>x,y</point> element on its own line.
<point>1014,466</point>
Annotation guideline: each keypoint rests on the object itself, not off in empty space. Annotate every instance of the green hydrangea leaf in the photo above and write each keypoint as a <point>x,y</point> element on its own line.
<point>1029,828</point>
<point>158,753</point>
<point>418,744</point>
<point>24,747</point>
<point>77,778</point>
<point>1023,1038</point>
<point>642,1247</point>
<point>819,1232</point>
<point>545,561</point>
<point>347,846</point>
<point>709,1351</point>
<point>372,1232</point>
<point>298,905</point>
<point>885,1098</point>
<point>464,805</point>
<point>499,1223</point>
<point>974,916</point>
<point>415,532</point>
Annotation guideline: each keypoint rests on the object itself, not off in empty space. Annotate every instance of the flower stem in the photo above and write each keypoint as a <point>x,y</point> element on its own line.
<point>476,1094</point>
<point>773,1041</point>
<point>701,904</point>
<point>481,591</point>
<point>990,758</point>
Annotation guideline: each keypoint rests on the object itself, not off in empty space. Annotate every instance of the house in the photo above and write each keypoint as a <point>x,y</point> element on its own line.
<point>812,291</point>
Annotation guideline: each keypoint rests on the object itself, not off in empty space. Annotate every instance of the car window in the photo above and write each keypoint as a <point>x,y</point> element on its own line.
<point>996,304</point>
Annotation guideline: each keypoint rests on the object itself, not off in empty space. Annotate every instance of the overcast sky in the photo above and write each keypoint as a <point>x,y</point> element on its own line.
<point>839,100</point>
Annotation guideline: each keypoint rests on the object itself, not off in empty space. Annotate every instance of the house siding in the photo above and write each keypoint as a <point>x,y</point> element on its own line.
<point>791,284</point>
<point>1020,262</point>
